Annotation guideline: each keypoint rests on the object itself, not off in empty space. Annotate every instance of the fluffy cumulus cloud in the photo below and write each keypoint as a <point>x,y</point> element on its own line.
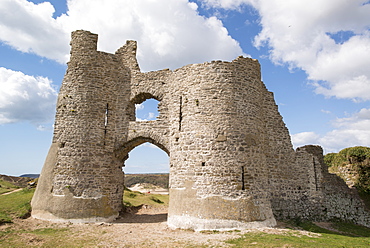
<point>347,132</point>
<point>305,138</point>
<point>170,33</point>
<point>31,28</point>
<point>25,98</point>
<point>329,40</point>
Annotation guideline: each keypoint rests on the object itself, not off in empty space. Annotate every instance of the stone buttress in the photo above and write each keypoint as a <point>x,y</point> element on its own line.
<point>232,164</point>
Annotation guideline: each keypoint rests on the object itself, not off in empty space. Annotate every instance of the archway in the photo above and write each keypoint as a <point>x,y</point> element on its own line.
<point>146,171</point>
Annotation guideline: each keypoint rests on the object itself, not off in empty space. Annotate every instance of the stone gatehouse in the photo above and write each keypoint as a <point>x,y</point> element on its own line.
<point>232,164</point>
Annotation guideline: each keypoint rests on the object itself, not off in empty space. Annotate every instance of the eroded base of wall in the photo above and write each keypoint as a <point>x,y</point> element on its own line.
<point>44,215</point>
<point>197,224</point>
<point>217,212</point>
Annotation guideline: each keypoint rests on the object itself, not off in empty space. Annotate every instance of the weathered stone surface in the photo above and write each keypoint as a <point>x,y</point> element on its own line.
<point>232,164</point>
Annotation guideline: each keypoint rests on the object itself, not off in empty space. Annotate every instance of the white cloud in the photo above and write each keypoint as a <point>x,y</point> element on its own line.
<point>150,145</point>
<point>151,116</point>
<point>304,138</point>
<point>169,33</point>
<point>30,27</point>
<point>25,98</point>
<point>139,119</point>
<point>228,4</point>
<point>139,106</point>
<point>301,34</point>
<point>348,132</point>
<point>326,111</point>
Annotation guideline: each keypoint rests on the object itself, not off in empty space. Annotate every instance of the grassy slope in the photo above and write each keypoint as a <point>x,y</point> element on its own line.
<point>6,186</point>
<point>134,198</point>
<point>15,205</point>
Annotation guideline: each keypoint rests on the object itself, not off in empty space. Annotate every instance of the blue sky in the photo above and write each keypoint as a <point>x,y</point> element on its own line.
<point>314,54</point>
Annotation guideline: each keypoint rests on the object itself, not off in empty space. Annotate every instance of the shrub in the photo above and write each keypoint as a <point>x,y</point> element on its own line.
<point>155,199</point>
<point>355,154</point>
<point>329,158</point>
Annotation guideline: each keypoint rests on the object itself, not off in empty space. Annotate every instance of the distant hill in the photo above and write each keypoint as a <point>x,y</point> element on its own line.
<point>30,175</point>
<point>18,181</point>
<point>160,180</point>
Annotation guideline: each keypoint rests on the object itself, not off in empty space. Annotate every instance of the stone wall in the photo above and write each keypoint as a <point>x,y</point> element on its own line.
<point>232,164</point>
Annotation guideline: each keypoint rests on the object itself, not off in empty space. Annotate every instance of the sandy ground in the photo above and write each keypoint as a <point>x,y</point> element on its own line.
<point>146,228</point>
<point>149,188</point>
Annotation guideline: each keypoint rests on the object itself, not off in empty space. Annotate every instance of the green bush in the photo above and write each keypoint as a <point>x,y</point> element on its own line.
<point>131,195</point>
<point>155,199</point>
<point>355,154</point>
<point>359,157</point>
<point>350,155</point>
<point>363,178</point>
<point>329,158</point>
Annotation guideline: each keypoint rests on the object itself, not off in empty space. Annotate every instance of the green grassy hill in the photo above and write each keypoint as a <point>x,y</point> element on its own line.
<point>6,186</point>
<point>160,180</point>
<point>17,181</point>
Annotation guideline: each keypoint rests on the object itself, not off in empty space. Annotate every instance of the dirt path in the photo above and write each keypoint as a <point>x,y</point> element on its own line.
<point>8,193</point>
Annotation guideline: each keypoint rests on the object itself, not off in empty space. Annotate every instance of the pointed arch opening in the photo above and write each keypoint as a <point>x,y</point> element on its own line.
<point>147,158</point>
<point>146,176</point>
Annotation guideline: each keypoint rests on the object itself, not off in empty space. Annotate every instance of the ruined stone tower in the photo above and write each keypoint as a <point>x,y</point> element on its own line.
<point>232,164</point>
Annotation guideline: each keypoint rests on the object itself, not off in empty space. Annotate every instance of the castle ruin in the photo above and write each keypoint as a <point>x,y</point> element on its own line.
<point>232,164</point>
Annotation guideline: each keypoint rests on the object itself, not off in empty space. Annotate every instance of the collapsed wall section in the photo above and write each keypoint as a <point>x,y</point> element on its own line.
<point>338,201</point>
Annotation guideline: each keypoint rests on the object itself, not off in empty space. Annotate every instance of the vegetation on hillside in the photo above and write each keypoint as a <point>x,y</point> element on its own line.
<point>135,199</point>
<point>160,180</point>
<point>6,186</point>
<point>15,205</point>
<point>353,165</point>
<point>17,181</point>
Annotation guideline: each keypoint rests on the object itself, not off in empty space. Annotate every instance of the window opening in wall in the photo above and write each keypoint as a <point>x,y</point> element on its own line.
<point>106,117</point>
<point>106,121</point>
<point>147,110</point>
<point>315,172</point>
<point>243,187</point>
<point>180,114</point>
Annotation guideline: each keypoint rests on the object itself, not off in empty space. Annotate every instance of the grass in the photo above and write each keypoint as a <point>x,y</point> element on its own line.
<point>45,237</point>
<point>15,205</point>
<point>6,187</point>
<point>347,235</point>
<point>135,198</point>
